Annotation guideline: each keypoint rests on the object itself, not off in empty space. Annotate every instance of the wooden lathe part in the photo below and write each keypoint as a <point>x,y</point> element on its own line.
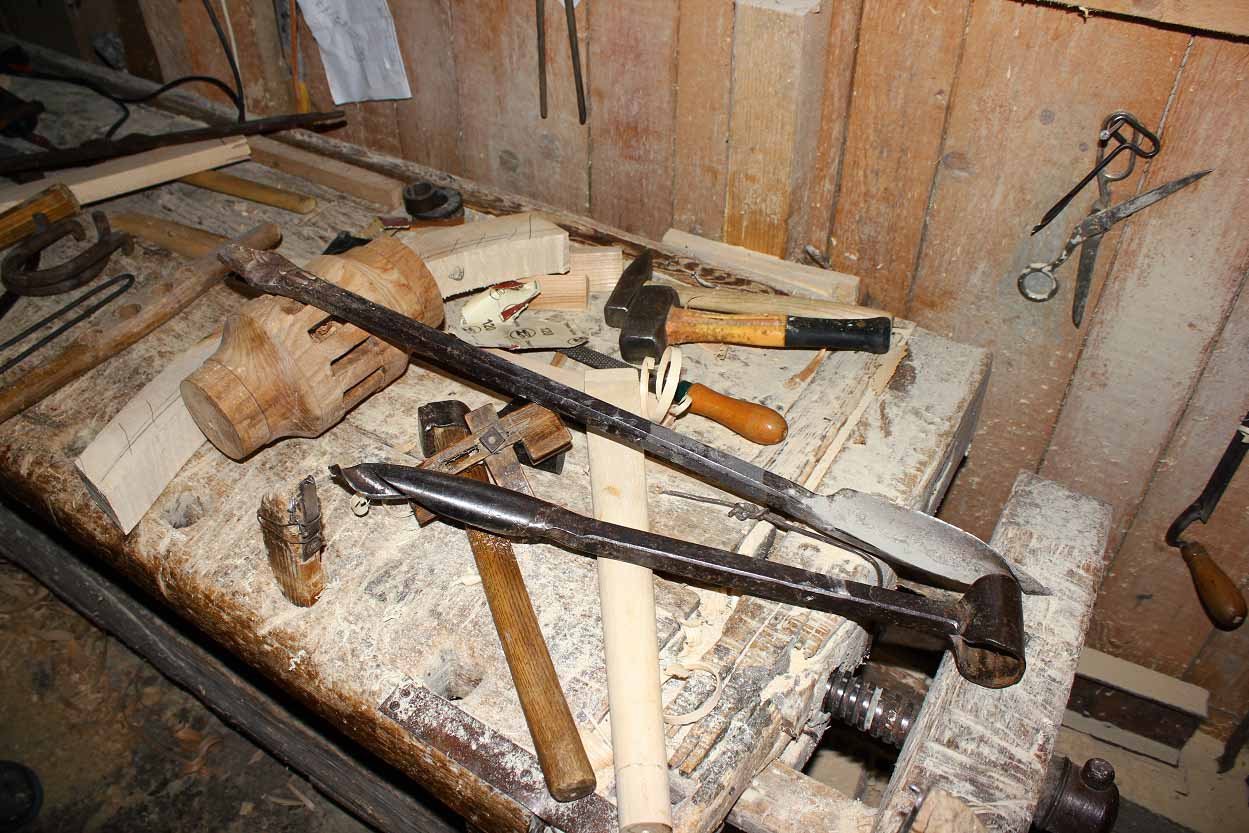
<point>289,370</point>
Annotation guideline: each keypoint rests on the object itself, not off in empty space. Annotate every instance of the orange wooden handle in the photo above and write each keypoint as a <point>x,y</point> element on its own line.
<point>693,326</point>
<point>56,202</point>
<point>1223,601</point>
<point>757,423</point>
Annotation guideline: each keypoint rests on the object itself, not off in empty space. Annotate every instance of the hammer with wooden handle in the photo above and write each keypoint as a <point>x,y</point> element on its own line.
<point>128,323</point>
<point>565,765</point>
<point>650,318</point>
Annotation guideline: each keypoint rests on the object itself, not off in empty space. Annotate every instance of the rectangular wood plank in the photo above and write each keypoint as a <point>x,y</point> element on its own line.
<point>429,121</point>
<point>1014,77</point>
<point>358,182</point>
<point>632,82</point>
<point>505,143</point>
<point>778,81</point>
<point>903,78</point>
<point>700,138</point>
<point>1230,16</point>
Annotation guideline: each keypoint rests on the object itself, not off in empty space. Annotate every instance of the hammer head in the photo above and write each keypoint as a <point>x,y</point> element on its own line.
<point>644,331</point>
<point>621,299</point>
<point>447,413</point>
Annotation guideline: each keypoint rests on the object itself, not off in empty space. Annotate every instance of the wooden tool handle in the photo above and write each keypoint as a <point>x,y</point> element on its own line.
<point>1223,601</point>
<point>176,237</point>
<point>130,320</point>
<point>757,423</point>
<point>565,765</point>
<point>247,189</point>
<point>867,334</point>
<point>55,202</point>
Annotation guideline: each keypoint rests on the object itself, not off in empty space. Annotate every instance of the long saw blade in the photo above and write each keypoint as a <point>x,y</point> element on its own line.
<point>938,548</point>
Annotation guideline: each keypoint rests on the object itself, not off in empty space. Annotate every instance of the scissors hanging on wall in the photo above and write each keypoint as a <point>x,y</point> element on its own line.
<point>571,17</point>
<point>1037,282</point>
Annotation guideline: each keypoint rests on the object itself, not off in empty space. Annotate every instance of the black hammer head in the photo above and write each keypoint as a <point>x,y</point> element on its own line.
<point>645,329</point>
<point>446,413</point>
<point>618,304</point>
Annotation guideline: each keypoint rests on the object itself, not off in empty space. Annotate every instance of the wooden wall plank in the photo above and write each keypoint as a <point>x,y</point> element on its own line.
<point>908,56</point>
<point>632,81</point>
<point>203,50</point>
<point>505,144</point>
<point>319,85</point>
<point>1148,612</point>
<point>428,122</point>
<point>701,133</point>
<point>778,78</point>
<point>811,216</point>
<point>1017,139</point>
<point>1222,667</point>
<point>381,127</point>
<point>1162,311</point>
<point>1230,16</point>
<point>168,40</point>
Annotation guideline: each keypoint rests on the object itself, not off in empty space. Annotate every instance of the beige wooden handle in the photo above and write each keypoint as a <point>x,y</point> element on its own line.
<point>176,237</point>
<point>247,189</point>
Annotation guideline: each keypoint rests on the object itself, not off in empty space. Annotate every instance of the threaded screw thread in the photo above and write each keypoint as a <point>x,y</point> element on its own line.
<point>869,708</point>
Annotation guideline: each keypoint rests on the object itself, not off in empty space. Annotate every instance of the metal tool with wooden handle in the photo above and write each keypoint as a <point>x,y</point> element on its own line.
<point>128,323</point>
<point>565,765</point>
<point>56,202</point>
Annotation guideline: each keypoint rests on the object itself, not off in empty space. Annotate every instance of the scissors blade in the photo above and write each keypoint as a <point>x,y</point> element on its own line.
<point>1100,222</point>
<point>1084,278</point>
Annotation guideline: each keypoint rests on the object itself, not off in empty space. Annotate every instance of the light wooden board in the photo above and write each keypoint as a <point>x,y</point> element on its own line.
<point>132,173</point>
<point>990,748</point>
<point>365,185</point>
<point>778,82</point>
<point>704,77</point>
<point>887,173</point>
<point>632,97</point>
<point>1120,411</point>
<point>794,278</point>
<point>504,143</point>
<point>429,121</point>
<point>1016,63</point>
<point>601,265</point>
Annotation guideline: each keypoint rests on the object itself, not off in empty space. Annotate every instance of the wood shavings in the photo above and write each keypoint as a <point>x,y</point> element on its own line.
<point>683,671</point>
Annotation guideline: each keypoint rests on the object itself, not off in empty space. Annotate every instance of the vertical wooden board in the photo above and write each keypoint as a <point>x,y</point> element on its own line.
<point>265,65</point>
<point>701,129</point>
<point>778,77</point>
<point>505,143</point>
<point>908,56</point>
<point>168,40</point>
<point>1016,140</point>
<point>204,53</point>
<point>381,127</point>
<point>632,78</point>
<point>1148,611</point>
<point>1179,269</point>
<point>429,121</point>
<point>810,219</point>
<point>1222,667</point>
<point>319,85</point>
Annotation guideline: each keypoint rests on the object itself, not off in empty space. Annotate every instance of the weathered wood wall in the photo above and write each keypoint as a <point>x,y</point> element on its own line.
<point>916,143</point>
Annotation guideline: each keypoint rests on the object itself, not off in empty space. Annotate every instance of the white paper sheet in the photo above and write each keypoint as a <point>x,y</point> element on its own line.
<point>359,49</point>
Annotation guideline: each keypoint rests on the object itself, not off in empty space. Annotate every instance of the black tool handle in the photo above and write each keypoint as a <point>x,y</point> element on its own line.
<point>870,335</point>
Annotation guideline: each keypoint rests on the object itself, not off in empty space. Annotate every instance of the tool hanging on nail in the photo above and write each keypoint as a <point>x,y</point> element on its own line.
<point>1037,282</point>
<point>570,16</point>
<point>984,628</point>
<point>937,551</point>
<point>1222,600</point>
<point>1111,128</point>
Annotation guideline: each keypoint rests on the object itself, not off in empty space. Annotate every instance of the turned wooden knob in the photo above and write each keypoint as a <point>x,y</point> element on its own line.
<point>289,370</point>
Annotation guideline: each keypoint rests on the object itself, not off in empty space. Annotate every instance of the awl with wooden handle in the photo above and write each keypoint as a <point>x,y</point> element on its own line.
<point>556,741</point>
<point>128,323</point>
<point>757,423</point>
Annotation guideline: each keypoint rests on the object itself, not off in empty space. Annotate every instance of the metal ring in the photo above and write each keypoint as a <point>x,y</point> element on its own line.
<point>1037,285</point>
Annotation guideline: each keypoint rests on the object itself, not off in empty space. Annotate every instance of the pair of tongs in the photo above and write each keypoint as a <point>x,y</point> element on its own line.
<point>571,17</point>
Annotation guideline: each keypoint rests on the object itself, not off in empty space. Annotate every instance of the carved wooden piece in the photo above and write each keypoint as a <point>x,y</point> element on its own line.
<point>291,528</point>
<point>285,369</point>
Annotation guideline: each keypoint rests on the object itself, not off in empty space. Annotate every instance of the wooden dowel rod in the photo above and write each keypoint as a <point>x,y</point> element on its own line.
<point>178,238</point>
<point>630,640</point>
<point>247,189</point>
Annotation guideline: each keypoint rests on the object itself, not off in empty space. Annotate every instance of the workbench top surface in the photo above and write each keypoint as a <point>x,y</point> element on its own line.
<point>403,606</point>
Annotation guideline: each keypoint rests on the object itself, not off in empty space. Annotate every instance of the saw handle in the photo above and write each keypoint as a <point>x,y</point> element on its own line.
<point>757,423</point>
<point>1222,600</point>
<point>871,335</point>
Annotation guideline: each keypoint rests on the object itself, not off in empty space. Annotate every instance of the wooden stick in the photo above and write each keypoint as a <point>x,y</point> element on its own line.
<point>732,301</point>
<point>294,560</point>
<point>349,179</point>
<point>236,186</point>
<point>130,173</point>
<point>176,237</point>
<point>627,595</point>
<point>55,202</point>
<point>129,322</point>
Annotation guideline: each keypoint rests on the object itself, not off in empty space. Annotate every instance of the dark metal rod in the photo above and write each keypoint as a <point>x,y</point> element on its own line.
<point>571,15</point>
<point>540,14</point>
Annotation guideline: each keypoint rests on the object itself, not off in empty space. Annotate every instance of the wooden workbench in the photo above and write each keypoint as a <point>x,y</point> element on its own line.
<point>403,622</point>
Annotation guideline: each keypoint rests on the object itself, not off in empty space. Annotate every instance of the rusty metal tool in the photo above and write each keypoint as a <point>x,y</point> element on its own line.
<point>1111,129</point>
<point>570,17</point>
<point>21,274</point>
<point>1220,597</point>
<point>565,766</point>
<point>984,628</point>
<point>925,546</point>
<point>123,282</point>
<point>757,423</point>
<point>1037,282</point>
<point>650,317</point>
